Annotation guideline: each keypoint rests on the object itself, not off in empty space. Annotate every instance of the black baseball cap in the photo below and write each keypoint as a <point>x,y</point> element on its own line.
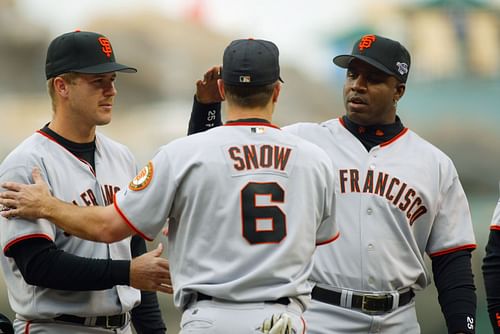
<point>82,52</point>
<point>383,53</point>
<point>251,62</point>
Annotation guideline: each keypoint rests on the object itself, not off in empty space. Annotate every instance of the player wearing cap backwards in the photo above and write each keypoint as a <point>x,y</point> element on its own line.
<point>491,271</point>
<point>57,282</point>
<point>398,198</point>
<point>247,205</point>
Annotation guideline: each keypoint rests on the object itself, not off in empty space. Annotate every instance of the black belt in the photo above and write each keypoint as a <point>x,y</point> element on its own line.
<point>108,322</point>
<point>367,303</point>
<point>283,300</point>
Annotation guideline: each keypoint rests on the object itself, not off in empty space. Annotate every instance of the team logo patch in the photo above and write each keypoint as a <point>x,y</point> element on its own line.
<point>106,46</point>
<point>143,178</point>
<point>366,42</point>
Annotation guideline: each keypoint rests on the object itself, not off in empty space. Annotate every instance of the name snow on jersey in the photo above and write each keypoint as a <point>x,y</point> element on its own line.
<point>245,158</point>
<point>398,193</point>
<point>89,198</point>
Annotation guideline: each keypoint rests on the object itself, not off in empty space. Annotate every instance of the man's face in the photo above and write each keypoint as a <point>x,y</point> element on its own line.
<point>370,94</point>
<point>91,98</point>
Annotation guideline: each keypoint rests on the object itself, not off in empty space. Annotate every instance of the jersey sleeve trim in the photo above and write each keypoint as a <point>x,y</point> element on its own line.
<point>495,227</point>
<point>335,237</point>
<point>129,223</point>
<point>25,237</point>
<point>451,250</point>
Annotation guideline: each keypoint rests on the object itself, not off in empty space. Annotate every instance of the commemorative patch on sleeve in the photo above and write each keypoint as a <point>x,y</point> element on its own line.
<point>143,178</point>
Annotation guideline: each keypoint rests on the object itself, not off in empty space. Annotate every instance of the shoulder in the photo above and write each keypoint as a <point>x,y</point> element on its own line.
<point>105,143</point>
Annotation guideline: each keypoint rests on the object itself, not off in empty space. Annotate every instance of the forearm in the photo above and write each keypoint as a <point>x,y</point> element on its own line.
<point>204,116</point>
<point>455,284</point>
<point>491,274</point>
<point>42,264</point>
<point>91,223</point>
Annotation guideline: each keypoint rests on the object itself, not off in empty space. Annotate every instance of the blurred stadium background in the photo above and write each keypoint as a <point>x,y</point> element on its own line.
<point>451,99</point>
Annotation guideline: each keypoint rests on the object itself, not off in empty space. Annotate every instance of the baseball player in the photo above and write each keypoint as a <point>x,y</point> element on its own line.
<point>491,265</point>
<point>57,282</point>
<point>246,203</point>
<point>399,198</point>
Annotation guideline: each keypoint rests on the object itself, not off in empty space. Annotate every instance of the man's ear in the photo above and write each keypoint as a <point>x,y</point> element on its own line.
<point>220,86</point>
<point>61,87</point>
<point>276,92</point>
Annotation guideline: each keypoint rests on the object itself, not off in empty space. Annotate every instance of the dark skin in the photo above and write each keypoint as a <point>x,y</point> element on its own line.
<point>370,95</point>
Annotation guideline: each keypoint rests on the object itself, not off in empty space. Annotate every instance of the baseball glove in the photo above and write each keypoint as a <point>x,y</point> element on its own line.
<point>281,324</point>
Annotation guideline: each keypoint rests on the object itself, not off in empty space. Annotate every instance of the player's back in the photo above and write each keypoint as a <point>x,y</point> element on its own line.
<point>248,212</point>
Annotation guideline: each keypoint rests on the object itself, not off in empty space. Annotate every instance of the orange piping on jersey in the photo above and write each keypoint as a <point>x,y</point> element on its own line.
<point>396,137</point>
<point>26,237</point>
<point>451,250</point>
<point>495,227</point>
<point>304,325</point>
<point>27,328</point>
<point>329,240</point>
<point>132,227</point>
<point>55,141</point>
<point>252,123</point>
<point>390,141</point>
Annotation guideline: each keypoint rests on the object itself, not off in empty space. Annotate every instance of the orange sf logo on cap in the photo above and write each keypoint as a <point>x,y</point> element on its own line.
<point>106,46</point>
<point>366,42</point>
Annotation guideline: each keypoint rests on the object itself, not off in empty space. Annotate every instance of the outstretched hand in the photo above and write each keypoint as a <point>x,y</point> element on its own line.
<point>151,272</point>
<point>207,91</point>
<point>29,201</point>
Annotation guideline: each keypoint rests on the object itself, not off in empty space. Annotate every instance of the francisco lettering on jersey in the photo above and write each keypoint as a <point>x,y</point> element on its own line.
<point>89,198</point>
<point>391,188</point>
<point>256,157</point>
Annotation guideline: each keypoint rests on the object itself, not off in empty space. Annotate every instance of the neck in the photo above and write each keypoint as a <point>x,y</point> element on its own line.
<point>236,112</point>
<point>72,129</point>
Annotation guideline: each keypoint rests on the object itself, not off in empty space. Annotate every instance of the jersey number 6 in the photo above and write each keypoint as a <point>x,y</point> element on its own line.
<point>255,216</point>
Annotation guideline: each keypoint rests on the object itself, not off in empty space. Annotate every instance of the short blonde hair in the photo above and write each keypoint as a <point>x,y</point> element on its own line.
<point>69,77</point>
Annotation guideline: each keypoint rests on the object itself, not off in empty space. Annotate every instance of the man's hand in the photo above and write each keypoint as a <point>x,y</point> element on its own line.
<point>281,324</point>
<point>30,201</point>
<point>151,272</point>
<point>207,91</point>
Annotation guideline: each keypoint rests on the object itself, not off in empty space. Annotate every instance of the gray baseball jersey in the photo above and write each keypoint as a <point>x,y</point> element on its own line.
<point>495,222</point>
<point>71,180</point>
<point>246,203</point>
<point>398,201</point>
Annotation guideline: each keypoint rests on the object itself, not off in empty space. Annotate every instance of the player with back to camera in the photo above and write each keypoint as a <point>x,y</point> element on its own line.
<point>241,233</point>
<point>398,198</point>
<point>57,282</point>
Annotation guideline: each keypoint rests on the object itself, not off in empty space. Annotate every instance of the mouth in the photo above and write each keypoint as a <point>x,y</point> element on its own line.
<point>356,100</point>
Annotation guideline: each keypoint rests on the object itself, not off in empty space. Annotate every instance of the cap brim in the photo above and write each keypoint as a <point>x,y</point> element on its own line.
<point>344,61</point>
<point>106,68</point>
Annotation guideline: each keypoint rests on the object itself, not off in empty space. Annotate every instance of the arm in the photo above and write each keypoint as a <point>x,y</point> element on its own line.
<point>33,201</point>
<point>491,274</point>
<point>146,317</point>
<point>455,285</point>
<point>206,112</point>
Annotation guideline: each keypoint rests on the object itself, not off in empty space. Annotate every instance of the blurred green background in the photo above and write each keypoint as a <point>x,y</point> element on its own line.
<point>451,98</point>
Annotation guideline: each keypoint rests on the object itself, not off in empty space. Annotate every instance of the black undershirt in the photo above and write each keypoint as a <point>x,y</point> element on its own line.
<point>491,274</point>
<point>42,264</point>
<point>452,272</point>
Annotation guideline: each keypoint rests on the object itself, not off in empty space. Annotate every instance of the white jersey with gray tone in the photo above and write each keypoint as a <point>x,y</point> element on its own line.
<point>495,222</point>
<point>71,180</point>
<point>395,203</point>
<point>247,205</point>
